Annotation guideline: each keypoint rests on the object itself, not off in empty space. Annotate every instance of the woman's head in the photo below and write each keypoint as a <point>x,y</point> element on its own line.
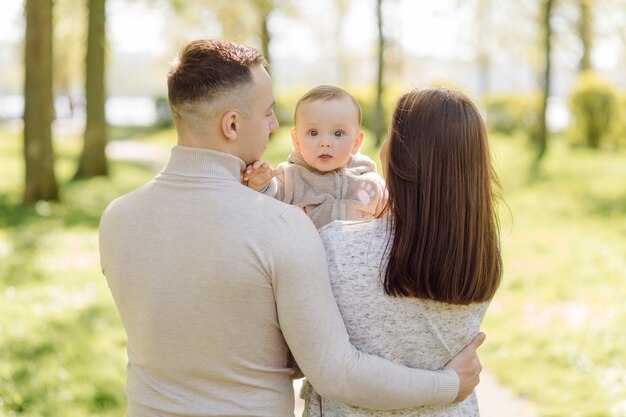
<point>442,188</point>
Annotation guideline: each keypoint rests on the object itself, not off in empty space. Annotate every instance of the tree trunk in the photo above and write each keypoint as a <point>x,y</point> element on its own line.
<point>379,116</point>
<point>40,181</point>
<point>93,160</point>
<point>585,31</point>
<point>264,8</point>
<point>542,136</point>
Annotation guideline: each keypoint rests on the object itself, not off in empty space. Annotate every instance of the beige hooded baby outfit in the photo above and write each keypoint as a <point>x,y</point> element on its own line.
<point>354,192</point>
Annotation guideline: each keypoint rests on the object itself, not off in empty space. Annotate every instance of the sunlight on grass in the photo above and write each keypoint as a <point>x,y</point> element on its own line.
<point>63,345</point>
<point>554,326</point>
<point>554,329</point>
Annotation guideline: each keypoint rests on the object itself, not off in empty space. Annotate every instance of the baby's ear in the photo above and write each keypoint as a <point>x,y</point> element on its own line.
<point>294,139</point>
<point>357,143</point>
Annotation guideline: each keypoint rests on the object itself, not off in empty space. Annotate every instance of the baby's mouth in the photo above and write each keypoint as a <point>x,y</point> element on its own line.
<point>325,157</point>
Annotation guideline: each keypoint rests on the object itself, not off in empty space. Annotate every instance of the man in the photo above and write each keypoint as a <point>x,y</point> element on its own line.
<point>215,282</point>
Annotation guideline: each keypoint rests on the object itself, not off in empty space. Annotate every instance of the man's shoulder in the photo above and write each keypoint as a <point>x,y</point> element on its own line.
<point>268,208</point>
<point>123,202</point>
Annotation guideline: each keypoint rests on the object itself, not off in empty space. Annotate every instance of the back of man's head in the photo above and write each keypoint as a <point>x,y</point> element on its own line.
<point>205,69</point>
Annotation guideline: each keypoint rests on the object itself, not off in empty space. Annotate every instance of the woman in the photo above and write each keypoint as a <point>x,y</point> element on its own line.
<point>414,285</point>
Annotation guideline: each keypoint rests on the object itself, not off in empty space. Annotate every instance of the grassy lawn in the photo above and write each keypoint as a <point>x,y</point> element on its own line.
<point>554,330</point>
<point>62,349</point>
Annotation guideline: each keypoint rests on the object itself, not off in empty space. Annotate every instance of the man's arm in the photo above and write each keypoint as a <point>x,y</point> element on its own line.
<point>314,330</point>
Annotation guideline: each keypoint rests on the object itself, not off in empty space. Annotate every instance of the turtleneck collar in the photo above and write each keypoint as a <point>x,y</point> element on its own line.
<point>203,163</point>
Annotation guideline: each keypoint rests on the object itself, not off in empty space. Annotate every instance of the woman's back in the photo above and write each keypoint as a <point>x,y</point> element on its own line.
<point>415,332</point>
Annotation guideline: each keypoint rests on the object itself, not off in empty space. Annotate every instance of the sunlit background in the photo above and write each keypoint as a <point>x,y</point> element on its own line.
<point>480,45</point>
<point>555,329</point>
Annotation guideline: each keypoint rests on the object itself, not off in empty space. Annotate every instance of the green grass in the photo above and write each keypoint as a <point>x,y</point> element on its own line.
<point>554,329</point>
<point>62,350</point>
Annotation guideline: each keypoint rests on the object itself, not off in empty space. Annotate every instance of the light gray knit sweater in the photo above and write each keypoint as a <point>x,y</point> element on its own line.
<point>415,332</point>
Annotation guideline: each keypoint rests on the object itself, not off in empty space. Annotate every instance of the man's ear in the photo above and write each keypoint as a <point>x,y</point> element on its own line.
<point>294,139</point>
<point>357,143</point>
<point>230,124</point>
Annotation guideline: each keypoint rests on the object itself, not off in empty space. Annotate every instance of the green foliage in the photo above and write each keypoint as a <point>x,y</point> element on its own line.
<point>510,113</point>
<point>366,97</point>
<point>593,104</point>
<point>618,132</point>
<point>286,104</point>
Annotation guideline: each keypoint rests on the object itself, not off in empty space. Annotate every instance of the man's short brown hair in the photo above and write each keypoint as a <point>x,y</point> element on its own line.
<point>207,68</point>
<point>326,93</point>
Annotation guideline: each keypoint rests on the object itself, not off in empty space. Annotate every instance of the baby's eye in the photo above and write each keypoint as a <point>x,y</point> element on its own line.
<point>338,133</point>
<point>313,132</point>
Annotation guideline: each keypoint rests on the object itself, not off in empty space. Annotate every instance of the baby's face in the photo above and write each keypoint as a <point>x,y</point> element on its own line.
<point>327,133</point>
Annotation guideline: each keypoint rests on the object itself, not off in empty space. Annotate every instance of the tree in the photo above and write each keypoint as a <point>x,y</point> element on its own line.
<point>40,181</point>
<point>264,8</point>
<point>69,31</point>
<point>542,136</point>
<point>379,116</point>
<point>585,32</point>
<point>93,160</point>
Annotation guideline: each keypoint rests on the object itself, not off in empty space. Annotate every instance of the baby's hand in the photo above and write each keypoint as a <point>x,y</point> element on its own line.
<point>258,175</point>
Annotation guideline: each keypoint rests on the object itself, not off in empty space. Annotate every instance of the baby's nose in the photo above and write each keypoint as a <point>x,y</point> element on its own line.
<point>326,143</point>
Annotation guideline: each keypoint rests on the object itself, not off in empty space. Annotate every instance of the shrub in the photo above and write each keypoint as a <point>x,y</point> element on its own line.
<point>286,104</point>
<point>593,104</point>
<point>509,113</point>
<point>619,127</point>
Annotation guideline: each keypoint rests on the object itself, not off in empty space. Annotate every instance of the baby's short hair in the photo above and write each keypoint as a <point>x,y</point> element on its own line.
<point>326,93</point>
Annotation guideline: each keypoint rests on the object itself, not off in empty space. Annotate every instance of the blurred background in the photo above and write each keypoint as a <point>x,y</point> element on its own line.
<point>84,118</point>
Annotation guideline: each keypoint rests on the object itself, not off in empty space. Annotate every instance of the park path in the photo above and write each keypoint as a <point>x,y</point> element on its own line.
<point>494,400</point>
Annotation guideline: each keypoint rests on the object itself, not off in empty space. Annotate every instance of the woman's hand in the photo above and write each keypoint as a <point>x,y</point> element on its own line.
<point>467,366</point>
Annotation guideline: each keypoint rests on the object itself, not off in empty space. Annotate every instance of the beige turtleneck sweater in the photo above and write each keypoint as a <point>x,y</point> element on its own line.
<point>215,282</point>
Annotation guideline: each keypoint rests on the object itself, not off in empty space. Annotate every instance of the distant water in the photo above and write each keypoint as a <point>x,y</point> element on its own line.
<point>120,111</point>
<point>142,111</point>
<point>131,111</point>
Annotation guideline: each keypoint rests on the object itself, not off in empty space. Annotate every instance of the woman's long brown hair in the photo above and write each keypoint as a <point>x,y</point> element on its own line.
<point>442,193</point>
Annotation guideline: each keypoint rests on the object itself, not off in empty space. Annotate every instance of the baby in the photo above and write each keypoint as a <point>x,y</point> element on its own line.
<point>325,174</point>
